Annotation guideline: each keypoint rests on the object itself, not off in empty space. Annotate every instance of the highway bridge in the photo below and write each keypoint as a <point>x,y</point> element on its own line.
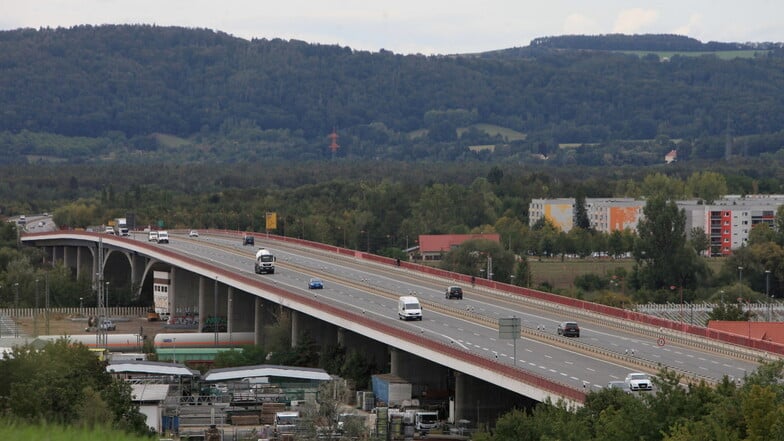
<point>455,352</point>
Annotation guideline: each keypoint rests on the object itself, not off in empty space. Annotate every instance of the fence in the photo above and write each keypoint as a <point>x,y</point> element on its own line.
<point>114,311</point>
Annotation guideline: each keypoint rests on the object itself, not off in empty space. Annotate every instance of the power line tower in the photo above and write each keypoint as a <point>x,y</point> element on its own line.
<point>334,146</point>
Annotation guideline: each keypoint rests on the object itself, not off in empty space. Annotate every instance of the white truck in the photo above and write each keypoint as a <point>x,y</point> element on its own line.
<point>286,422</point>
<point>426,420</point>
<point>121,224</point>
<point>163,237</point>
<point>265,262</point>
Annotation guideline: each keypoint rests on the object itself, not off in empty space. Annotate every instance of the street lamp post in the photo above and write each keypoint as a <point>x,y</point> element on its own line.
<point>740,296</point>
<point>81,311</point>
<point>215,311</point>
<point>767,291</point>
<point>672,287</point>
<point>107,294</point>
<point>35,313</point>
<point>16,306</point>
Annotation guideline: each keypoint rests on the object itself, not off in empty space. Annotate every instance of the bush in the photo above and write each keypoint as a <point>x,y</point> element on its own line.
<point>591,282</point>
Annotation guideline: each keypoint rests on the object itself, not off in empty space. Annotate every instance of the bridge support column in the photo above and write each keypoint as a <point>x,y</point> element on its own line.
<point>229,309</point>
<point>66,260</point>
<point>460,397</point>
<point>394,361</point>
<point>341,337</point>
<point>258,321</point>
<point>295,318</point>
<point>483,403</point>
<point>172,293</point>
<point>79,262</point>
<point>202,300</point>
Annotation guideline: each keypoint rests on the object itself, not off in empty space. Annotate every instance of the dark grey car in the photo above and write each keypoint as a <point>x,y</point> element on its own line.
<point>454,292</point>
<point>569,329</point>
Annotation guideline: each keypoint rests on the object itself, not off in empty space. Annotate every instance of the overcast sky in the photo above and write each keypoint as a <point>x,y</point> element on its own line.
<point>423,26</point>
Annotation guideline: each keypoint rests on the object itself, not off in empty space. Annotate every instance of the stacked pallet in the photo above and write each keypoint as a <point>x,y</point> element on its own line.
<point>245,420</point>
<point>268,411</point>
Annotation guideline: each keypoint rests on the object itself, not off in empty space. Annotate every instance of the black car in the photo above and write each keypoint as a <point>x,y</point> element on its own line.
<point>569,329</point>
<point>248,240</point>
<point>454,292</point>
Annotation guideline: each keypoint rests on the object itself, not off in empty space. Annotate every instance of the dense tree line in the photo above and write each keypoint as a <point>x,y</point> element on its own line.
<point>61,384</point>
<point>92,93</point>
<point>731,411</point>
<point>384,207</point>
<point>650,42</point>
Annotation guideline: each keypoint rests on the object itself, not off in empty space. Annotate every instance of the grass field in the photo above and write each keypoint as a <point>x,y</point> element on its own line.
<point>561,275</point>
<point>724,55</point>
<point>14,431</point>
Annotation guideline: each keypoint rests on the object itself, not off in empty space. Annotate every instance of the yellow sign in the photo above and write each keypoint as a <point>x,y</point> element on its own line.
<point>272,221</point>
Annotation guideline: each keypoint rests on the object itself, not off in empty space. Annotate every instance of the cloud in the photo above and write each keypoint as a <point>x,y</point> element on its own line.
<point>634,21</point>
<point>692,28</point>
<point>579,24</point>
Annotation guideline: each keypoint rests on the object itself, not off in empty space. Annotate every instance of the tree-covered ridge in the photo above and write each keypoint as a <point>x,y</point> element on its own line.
<point>110,89</point>
<point>647,42</point>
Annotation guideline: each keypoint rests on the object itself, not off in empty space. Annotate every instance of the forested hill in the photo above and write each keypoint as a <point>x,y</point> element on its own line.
<point>650,42</point>
<point>138,91</point>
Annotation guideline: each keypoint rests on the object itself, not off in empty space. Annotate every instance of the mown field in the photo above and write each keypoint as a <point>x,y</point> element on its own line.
<point>561,274</point>
<point>724,55</point>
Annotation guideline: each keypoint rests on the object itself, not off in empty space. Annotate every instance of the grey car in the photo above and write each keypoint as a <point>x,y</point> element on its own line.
<point>569,329</point>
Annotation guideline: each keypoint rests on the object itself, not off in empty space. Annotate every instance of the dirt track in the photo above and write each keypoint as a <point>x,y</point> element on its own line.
<point>59,324</point>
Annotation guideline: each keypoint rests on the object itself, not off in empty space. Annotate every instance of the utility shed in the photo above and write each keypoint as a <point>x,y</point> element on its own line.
<point>391,389</point>
<point>150,398</point>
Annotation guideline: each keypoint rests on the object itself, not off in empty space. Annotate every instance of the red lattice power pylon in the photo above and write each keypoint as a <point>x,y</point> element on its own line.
<point>334,144</point>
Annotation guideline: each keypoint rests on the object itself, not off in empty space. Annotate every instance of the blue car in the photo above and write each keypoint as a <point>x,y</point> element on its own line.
<point>315,283</point>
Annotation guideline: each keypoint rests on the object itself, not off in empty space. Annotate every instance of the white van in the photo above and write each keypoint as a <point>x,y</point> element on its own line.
<point>408,308</point>
<point>152,236</point>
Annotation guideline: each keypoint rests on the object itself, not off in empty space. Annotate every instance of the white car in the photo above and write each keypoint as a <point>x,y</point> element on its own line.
<point>638,381</point>
<point>193,233</point>
<point>107,325</point>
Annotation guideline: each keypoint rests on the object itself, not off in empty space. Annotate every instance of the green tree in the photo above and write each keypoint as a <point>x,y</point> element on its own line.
<point>729,312</point>
<point>581,213</point>
<point>660,186</point>
<point>522,273</point>
<point>706,185</point>
<point>699,241</point>
<point>473,256</point>
<point>615,245</point>
<point>66,384</point>
<point>660,252</point>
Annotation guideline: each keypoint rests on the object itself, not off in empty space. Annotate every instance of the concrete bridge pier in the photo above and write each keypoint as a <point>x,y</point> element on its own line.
<point>483,403</point>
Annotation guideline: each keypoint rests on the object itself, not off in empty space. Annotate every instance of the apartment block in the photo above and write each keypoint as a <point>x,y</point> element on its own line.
<point>727,221</point>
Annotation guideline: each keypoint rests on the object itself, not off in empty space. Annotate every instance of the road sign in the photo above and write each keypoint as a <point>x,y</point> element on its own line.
<point>509,328</point>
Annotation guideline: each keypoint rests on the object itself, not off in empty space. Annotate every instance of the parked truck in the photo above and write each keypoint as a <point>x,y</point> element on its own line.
<point>286,423</point>
<point>265,262</point>
<point>426,420</point>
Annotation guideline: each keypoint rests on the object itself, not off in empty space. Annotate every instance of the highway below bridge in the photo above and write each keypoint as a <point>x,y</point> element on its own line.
<point>455,351</point>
